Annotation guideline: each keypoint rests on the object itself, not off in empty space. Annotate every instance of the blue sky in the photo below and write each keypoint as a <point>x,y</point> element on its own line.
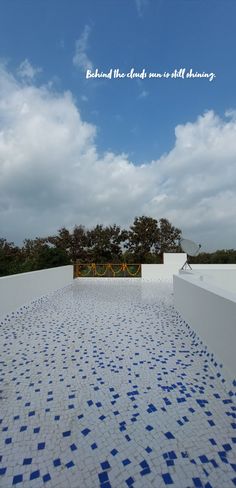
<point>47,46</point>
<point>162,36</point>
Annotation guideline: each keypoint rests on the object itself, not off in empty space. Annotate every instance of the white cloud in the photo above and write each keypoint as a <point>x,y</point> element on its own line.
<point>81,59</point>
<point>62,44</point>
<point>140,6</point>
<point>51,173</point>
<point>143,94</point>
<point>27,72</point>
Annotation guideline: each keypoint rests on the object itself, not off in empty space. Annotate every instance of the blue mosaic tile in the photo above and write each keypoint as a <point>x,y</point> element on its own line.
<point>130,481</point>
<point>105,465</point>
<point>169,435</point>
<point>18,478</point>
<point>27,461</point>
<point>46,478</point>
<point>167,479</point>
<point>213,442</point>
<point>203,459</point>
<point>127,437</point>
<point>227,447</point>
<point>73,447</point>
<point>117,374</point>
<point>145,471</point>
<point>41,445</point>
<point>126,461</point>
<point>197,482</point>
<point>103,477</point>
<point>66,433</point>
<point>35,474</point>
<point>114,452</point>
<point>57,462</point>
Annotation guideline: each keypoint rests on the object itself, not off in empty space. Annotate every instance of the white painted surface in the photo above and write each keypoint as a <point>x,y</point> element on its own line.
<point>224,278</point>
<point>172,264</point>
<point>213,266</point>
<point>20,289</point>
<point>175,258</point>
<point>140,349</point>
<point>211,312</point>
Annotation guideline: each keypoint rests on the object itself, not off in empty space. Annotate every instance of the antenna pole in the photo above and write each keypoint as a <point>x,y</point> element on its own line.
<point>186,265</point>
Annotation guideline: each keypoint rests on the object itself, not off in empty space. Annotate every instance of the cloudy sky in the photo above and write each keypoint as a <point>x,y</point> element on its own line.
<point>77,150</point>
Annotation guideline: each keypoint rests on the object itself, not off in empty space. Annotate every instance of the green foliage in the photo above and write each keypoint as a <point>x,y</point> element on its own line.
<point>51,258</point>
<point>222,256</point>
<point>144,242</point>
<point>169,237</point>
<point>104,244</point>
<point>9,258</point>
<point>142,238</point>
<point>34,255</point>
<point>148,239</point>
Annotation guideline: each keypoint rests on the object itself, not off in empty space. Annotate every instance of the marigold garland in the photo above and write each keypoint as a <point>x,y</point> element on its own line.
<point>108,267</point>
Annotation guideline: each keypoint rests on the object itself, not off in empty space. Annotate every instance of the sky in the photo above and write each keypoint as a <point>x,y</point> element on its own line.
<point>76,148</point>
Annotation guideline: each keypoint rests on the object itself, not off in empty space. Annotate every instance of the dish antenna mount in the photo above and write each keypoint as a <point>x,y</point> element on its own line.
<point>191,249</point>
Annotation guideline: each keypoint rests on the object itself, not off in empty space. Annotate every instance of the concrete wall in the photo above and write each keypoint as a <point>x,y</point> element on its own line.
<point>213,266</point>
<point>174,258</point>
<point>224,278</point>
<point>211,312</point>
<point>17,290</point>
<point>172,263</point>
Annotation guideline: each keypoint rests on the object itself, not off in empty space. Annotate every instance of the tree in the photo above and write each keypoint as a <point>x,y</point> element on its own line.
<point>148,239</point>
<point>144,242</point>
<point>142,238</point>
<point>50,257</point>
<point>80,244</point>
<point>225,256</point>
<point>169,237</point>
<point>201,258</point>
<point>74,243</point>
<point>30,251</point>
<point>62,241</point>
<point>40,253</point>
<point>105,243</point>
<point>10,258</point>
<point>221,256</point>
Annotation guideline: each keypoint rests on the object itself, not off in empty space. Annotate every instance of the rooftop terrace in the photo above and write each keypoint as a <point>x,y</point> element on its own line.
<point>104,385</point>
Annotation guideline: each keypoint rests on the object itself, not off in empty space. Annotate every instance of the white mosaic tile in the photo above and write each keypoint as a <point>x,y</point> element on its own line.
<point>104,385</point>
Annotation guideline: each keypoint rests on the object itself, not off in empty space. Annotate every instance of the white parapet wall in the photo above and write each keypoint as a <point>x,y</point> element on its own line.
<point>172,263</point>
<point>19,289</point>
<point>222,275</point>
<point>210,310</point>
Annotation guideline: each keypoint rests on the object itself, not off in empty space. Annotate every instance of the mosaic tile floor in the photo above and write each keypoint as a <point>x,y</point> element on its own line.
<point>103,385</point>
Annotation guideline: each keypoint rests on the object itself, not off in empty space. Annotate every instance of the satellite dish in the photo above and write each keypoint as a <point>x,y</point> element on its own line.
<point>191,249</point>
